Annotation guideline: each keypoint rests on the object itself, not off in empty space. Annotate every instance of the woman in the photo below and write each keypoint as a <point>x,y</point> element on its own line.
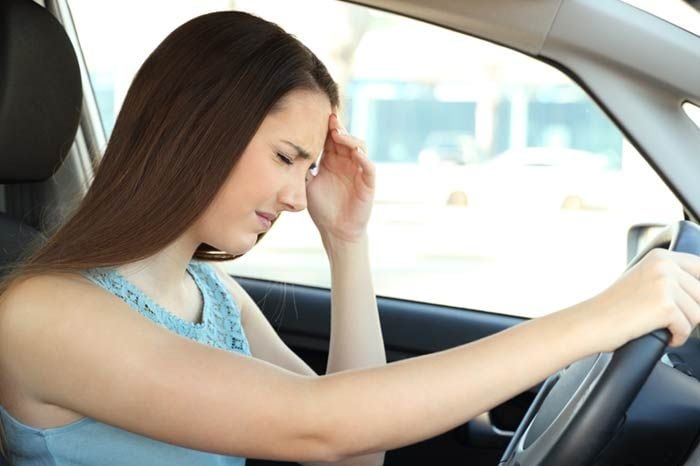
<point>218,134</point>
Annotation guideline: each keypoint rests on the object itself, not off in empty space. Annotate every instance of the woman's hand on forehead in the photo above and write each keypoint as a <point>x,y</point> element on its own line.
<point>340,197</point>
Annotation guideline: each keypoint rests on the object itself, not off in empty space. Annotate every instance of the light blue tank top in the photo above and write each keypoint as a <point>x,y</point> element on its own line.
<point>88,442</point>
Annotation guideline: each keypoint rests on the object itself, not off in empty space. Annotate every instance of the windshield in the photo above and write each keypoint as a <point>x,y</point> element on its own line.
<point>683,13</point>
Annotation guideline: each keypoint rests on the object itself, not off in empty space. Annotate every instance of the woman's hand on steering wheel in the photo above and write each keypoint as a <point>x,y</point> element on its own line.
<point>661,291</point>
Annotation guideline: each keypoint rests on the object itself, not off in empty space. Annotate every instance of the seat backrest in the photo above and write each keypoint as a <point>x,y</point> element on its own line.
<point>40,103</point>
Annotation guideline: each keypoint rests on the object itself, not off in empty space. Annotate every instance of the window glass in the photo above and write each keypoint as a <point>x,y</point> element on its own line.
<point>693,112</point>
<point>501,185</point>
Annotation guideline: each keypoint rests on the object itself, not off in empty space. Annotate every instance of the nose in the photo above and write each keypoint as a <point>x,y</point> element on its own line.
<point>293,195</point>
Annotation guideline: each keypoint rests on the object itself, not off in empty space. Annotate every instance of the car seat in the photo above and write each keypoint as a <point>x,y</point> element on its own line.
<point>40,103</point>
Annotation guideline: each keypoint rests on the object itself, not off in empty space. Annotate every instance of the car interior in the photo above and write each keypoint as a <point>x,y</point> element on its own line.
<point>49,147</point>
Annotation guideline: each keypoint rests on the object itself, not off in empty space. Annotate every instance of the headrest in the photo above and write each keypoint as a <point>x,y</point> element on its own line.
<point>40,92</point>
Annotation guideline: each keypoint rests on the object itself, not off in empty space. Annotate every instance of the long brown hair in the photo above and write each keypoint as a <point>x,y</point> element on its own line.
<point>191,110</point>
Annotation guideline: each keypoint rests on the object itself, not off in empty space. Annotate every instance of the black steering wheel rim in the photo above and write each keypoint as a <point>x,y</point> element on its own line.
<point>578,410</point>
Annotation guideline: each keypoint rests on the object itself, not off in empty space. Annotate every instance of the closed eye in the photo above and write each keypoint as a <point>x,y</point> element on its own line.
<point>284,158</point>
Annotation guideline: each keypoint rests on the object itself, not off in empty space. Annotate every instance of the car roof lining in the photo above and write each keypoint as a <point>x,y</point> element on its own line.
<point>519,25</point>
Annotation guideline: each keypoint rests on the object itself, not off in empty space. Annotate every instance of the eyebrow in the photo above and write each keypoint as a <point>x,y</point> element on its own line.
<point>301,152</point>
<point>304,154</point>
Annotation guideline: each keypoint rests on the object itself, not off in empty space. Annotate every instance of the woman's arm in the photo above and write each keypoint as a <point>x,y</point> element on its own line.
<point>266,344</point>
<point>70,343</point>
<point>340,202</point>
<point>356,334</point>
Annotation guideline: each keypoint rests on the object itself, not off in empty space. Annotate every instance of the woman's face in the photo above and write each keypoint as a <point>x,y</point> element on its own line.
<point>271,175</point>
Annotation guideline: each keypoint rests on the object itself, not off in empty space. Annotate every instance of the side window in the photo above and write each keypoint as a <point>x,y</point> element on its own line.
<point>501,185</point>
<point>693,112</point>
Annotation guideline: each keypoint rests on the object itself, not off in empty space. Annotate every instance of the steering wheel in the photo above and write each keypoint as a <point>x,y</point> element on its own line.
<point>578,410</point>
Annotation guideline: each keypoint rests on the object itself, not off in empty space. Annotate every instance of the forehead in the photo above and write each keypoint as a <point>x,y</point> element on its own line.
<point>302,118</point>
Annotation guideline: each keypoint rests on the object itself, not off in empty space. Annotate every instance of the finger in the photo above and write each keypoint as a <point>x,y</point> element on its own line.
<point>337,129</point>
<point>338,147</point>
<point>682,321</point>
<point>690,283</point>
<point>334,122</point>
<point>346,139</point>
<point>342,136</point>
<point>688,262</point>
<point>329,145</point>
<point>691,288</point>
<point>368,169</point>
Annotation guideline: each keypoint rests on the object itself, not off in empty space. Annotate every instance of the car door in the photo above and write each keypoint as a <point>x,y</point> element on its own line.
<point>532,215</point>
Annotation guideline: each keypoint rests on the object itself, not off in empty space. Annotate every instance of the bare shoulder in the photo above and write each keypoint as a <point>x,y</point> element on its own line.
<point>46,299</point>
<point>35,309</point>
<point>48,286</point>
<point>39,296</point>
<point>30,305</point>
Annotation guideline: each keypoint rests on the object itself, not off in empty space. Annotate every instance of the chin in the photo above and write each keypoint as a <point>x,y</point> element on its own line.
<point>237,248</point>
<point>243,247</point>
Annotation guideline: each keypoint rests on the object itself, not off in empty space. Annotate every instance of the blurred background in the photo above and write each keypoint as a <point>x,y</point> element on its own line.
<point>502,186</point>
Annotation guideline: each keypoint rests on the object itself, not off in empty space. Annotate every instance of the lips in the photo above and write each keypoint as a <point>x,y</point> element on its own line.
<point>265,219</point>
<point>270,217</point>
